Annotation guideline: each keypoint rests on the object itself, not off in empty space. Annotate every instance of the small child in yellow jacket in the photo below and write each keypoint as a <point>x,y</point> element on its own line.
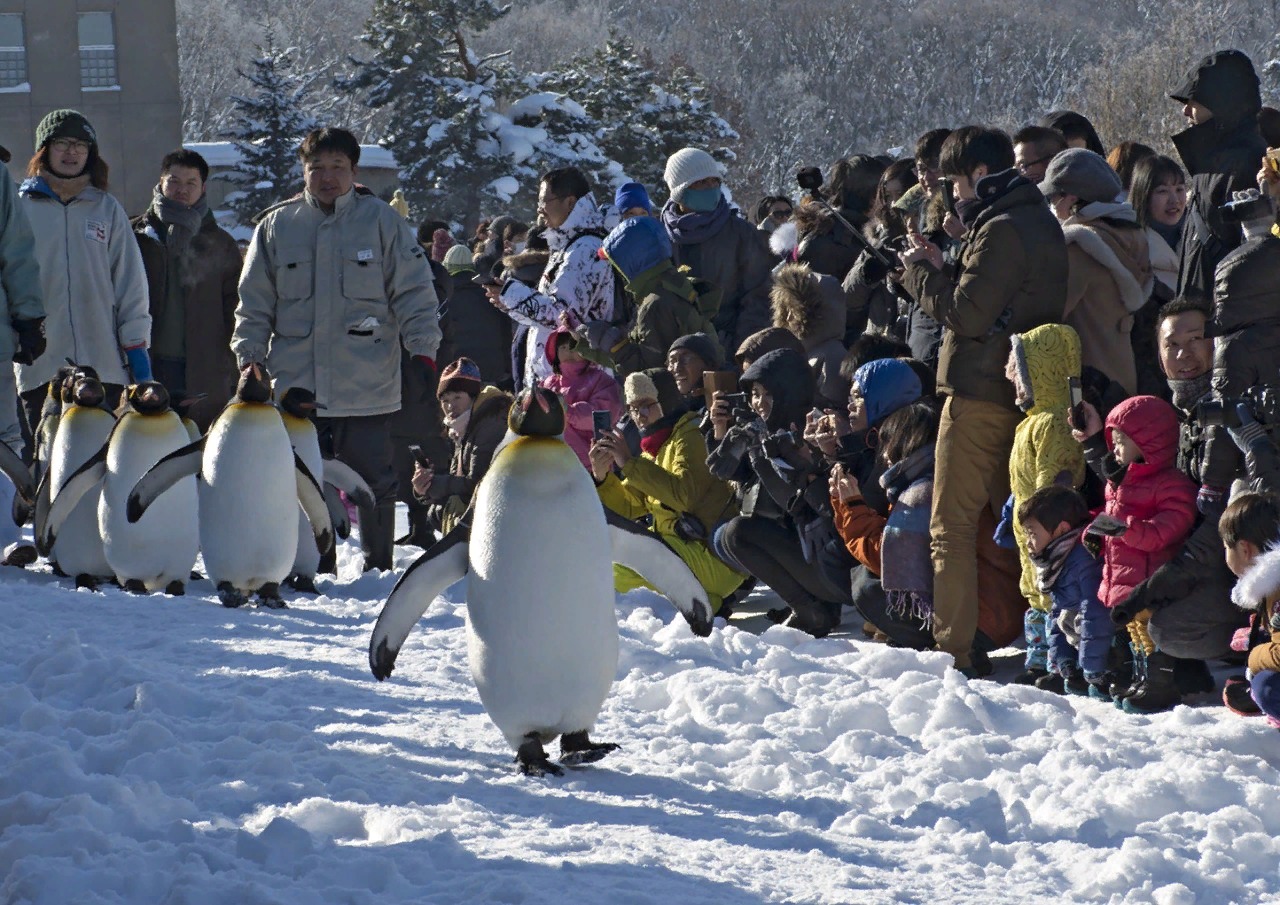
<point>1044,453</point>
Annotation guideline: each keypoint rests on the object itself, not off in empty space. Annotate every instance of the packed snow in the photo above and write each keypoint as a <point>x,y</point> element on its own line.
<point>168,750</point>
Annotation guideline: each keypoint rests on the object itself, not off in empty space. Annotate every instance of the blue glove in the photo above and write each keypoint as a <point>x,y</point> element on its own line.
<point>139,363</point>
<point>1248,431</point>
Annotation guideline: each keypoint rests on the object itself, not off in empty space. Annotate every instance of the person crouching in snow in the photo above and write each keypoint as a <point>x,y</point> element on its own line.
<point>1150,510</point>
<point>584,387</point>
<point>1053,520</point>
<point>1250,529</point>
<point>475,418</point>
<point>669,483</point>
<point>1041,361</point>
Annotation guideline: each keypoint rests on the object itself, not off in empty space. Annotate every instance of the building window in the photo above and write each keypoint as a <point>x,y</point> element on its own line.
<point>97,51</point>
<point>13,52</point>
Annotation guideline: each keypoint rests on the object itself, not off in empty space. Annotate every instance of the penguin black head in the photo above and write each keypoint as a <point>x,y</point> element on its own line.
<point>537,412</point>
<point>254,385</point>
<point>87,391</point>
<point>149,398</point>
<point>298,402</point>
<point>68,377</point>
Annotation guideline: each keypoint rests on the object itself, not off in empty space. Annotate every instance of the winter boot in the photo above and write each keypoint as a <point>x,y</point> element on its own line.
<point>1238,697</point>
<point>1120,689</point>
<point>817,617</point>
<point>377,536</point>
<point>1076,684</point>
<point>1051,682</point>
<point>1159,691</point>
<point>1030,676</point>
<point>420,533</point>
<point>1100,686</point>
<point>1193,676</point>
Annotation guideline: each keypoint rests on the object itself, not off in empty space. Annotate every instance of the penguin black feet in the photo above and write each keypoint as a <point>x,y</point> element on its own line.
<point>20,556</point>
<point>175,588</point>
<point>230,597</point>
<point>576,749</point>
<point>303,584</point>
<point>533,760</point>
<point>135,586</point>
<point>269,596</point>
<point>87,581</point>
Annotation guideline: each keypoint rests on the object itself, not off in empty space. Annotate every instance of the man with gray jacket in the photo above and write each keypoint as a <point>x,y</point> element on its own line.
<point>332,285</point>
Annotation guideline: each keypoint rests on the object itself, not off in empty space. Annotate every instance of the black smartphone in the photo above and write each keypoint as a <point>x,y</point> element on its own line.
<point>1076,415</point>
<point>419,456</point>
<point>601,422</point>
<point>948,195</point>
<point>735,400</point>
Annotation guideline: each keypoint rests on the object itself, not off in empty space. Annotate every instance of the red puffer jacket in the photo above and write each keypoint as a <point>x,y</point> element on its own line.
<point>1156,502</point>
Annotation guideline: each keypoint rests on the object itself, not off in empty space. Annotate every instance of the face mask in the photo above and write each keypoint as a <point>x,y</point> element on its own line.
<point>701,199</point>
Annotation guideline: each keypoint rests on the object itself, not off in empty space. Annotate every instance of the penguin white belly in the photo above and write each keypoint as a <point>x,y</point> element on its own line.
<point>542,629</point>
<point>305,443</point>
<point>161,546</point>
<point>248,498</point>
<point>78,549</point>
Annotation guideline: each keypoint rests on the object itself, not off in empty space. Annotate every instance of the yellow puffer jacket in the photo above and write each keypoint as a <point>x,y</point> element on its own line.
<point>1044,452</point>
<point>665,486</point>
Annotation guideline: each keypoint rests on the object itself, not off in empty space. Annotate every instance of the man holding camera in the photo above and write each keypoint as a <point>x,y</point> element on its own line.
<point>1011,277</point>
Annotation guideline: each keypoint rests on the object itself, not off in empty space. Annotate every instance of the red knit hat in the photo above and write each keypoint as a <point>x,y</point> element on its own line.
<point>464,375</point>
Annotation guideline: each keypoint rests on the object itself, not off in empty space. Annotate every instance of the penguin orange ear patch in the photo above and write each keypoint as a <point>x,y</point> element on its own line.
<point>542,402</point>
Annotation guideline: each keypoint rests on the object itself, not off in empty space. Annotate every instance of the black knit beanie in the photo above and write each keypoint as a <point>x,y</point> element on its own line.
<point>64,124</point>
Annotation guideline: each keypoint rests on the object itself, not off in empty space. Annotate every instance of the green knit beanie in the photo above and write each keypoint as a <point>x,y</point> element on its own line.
<point>64,124</point>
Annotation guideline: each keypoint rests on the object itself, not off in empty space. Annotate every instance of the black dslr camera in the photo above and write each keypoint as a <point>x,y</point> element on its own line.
<point>809,179</point>
<point>1263,403</point>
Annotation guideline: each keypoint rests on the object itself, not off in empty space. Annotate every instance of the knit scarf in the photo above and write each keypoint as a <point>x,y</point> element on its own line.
<point>1050,561</point>
<point>64,187</point>
<point>656,434</point>
<point>457,427</point>
<point>906,572</point>
<point>695,227</point>
<point>182,221</point>
<point>1186,393</point>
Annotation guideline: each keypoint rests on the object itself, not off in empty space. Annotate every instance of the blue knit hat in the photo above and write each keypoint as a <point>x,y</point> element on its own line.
<point>636,245</point>
<point>886,385</point>
<point>630,195</point>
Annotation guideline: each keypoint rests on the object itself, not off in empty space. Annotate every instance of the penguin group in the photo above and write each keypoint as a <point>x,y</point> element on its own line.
<point>132,497</point>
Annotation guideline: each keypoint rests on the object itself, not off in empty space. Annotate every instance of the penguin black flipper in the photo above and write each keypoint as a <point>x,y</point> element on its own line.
<point>40,514</point>
<point>17,472</point>
<point>313,504</point>
<point>647,554</point>
<point>179,464</point>
<point>443,563</point>
<point>338,516</point>
<point>82,480</point>
<point>344,477</point>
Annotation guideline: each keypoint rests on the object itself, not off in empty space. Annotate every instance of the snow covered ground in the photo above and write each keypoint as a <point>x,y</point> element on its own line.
<point>170,751</point>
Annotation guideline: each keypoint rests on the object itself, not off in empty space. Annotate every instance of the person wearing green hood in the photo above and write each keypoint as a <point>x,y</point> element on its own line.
<point>666,303</point>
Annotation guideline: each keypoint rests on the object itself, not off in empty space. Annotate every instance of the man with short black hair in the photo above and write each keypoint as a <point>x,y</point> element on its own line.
<point>577,283</point>
<point>1033,148</point>
<point>1011,277</point>
<point>333,284</point>
<point>193,266</point>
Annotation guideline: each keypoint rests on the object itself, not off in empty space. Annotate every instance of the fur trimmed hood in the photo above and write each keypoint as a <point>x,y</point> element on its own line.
<point>1261,582</point>
<point>808,304</point>
<point>784,239</point>
<point>1123,252</point>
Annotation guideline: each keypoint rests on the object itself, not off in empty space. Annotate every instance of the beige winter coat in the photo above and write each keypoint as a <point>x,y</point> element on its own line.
<point>1108,279</point>
<point>327,300</point>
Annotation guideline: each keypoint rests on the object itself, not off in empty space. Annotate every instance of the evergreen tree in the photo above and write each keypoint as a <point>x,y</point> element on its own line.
<point>643,117</point>
<point>269,125</point>
<point>457,153</point>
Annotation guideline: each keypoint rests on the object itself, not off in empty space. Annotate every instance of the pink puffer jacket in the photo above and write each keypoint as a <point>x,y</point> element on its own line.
<point>1156,502</point>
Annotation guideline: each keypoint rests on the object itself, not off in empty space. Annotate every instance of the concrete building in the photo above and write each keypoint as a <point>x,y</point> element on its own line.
<point>116,61</point>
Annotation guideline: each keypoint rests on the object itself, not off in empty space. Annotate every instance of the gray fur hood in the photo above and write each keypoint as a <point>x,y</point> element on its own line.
<point>1123,252</point>
<point>1260,582</point>
<point>810,305</point>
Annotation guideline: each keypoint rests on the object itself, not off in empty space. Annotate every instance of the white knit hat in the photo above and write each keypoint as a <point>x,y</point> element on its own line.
<point>639,386</point>
<point>687,166</point>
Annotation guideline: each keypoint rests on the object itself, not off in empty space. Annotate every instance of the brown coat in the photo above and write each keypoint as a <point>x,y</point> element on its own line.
<point>1011,277</point>
<point>1109,279</point>
<point>211,268</point>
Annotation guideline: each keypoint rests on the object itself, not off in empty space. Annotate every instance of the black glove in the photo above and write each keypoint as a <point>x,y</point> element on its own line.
<point>1124,612</point>
<point>31,342</point>
<point>873,270</point>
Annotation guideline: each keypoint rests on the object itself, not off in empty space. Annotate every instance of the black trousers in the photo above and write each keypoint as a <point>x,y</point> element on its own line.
<point>364,443</point>
<point>771,552</point>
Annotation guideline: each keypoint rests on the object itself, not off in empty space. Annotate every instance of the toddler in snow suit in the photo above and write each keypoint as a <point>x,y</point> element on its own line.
<point>1044,453</point>
<point>1250,529</point>
<point>1080,630</point>
<point>1150,510</point>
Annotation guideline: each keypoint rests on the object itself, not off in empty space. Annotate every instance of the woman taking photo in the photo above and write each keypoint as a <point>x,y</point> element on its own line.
<point>95,288</point>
